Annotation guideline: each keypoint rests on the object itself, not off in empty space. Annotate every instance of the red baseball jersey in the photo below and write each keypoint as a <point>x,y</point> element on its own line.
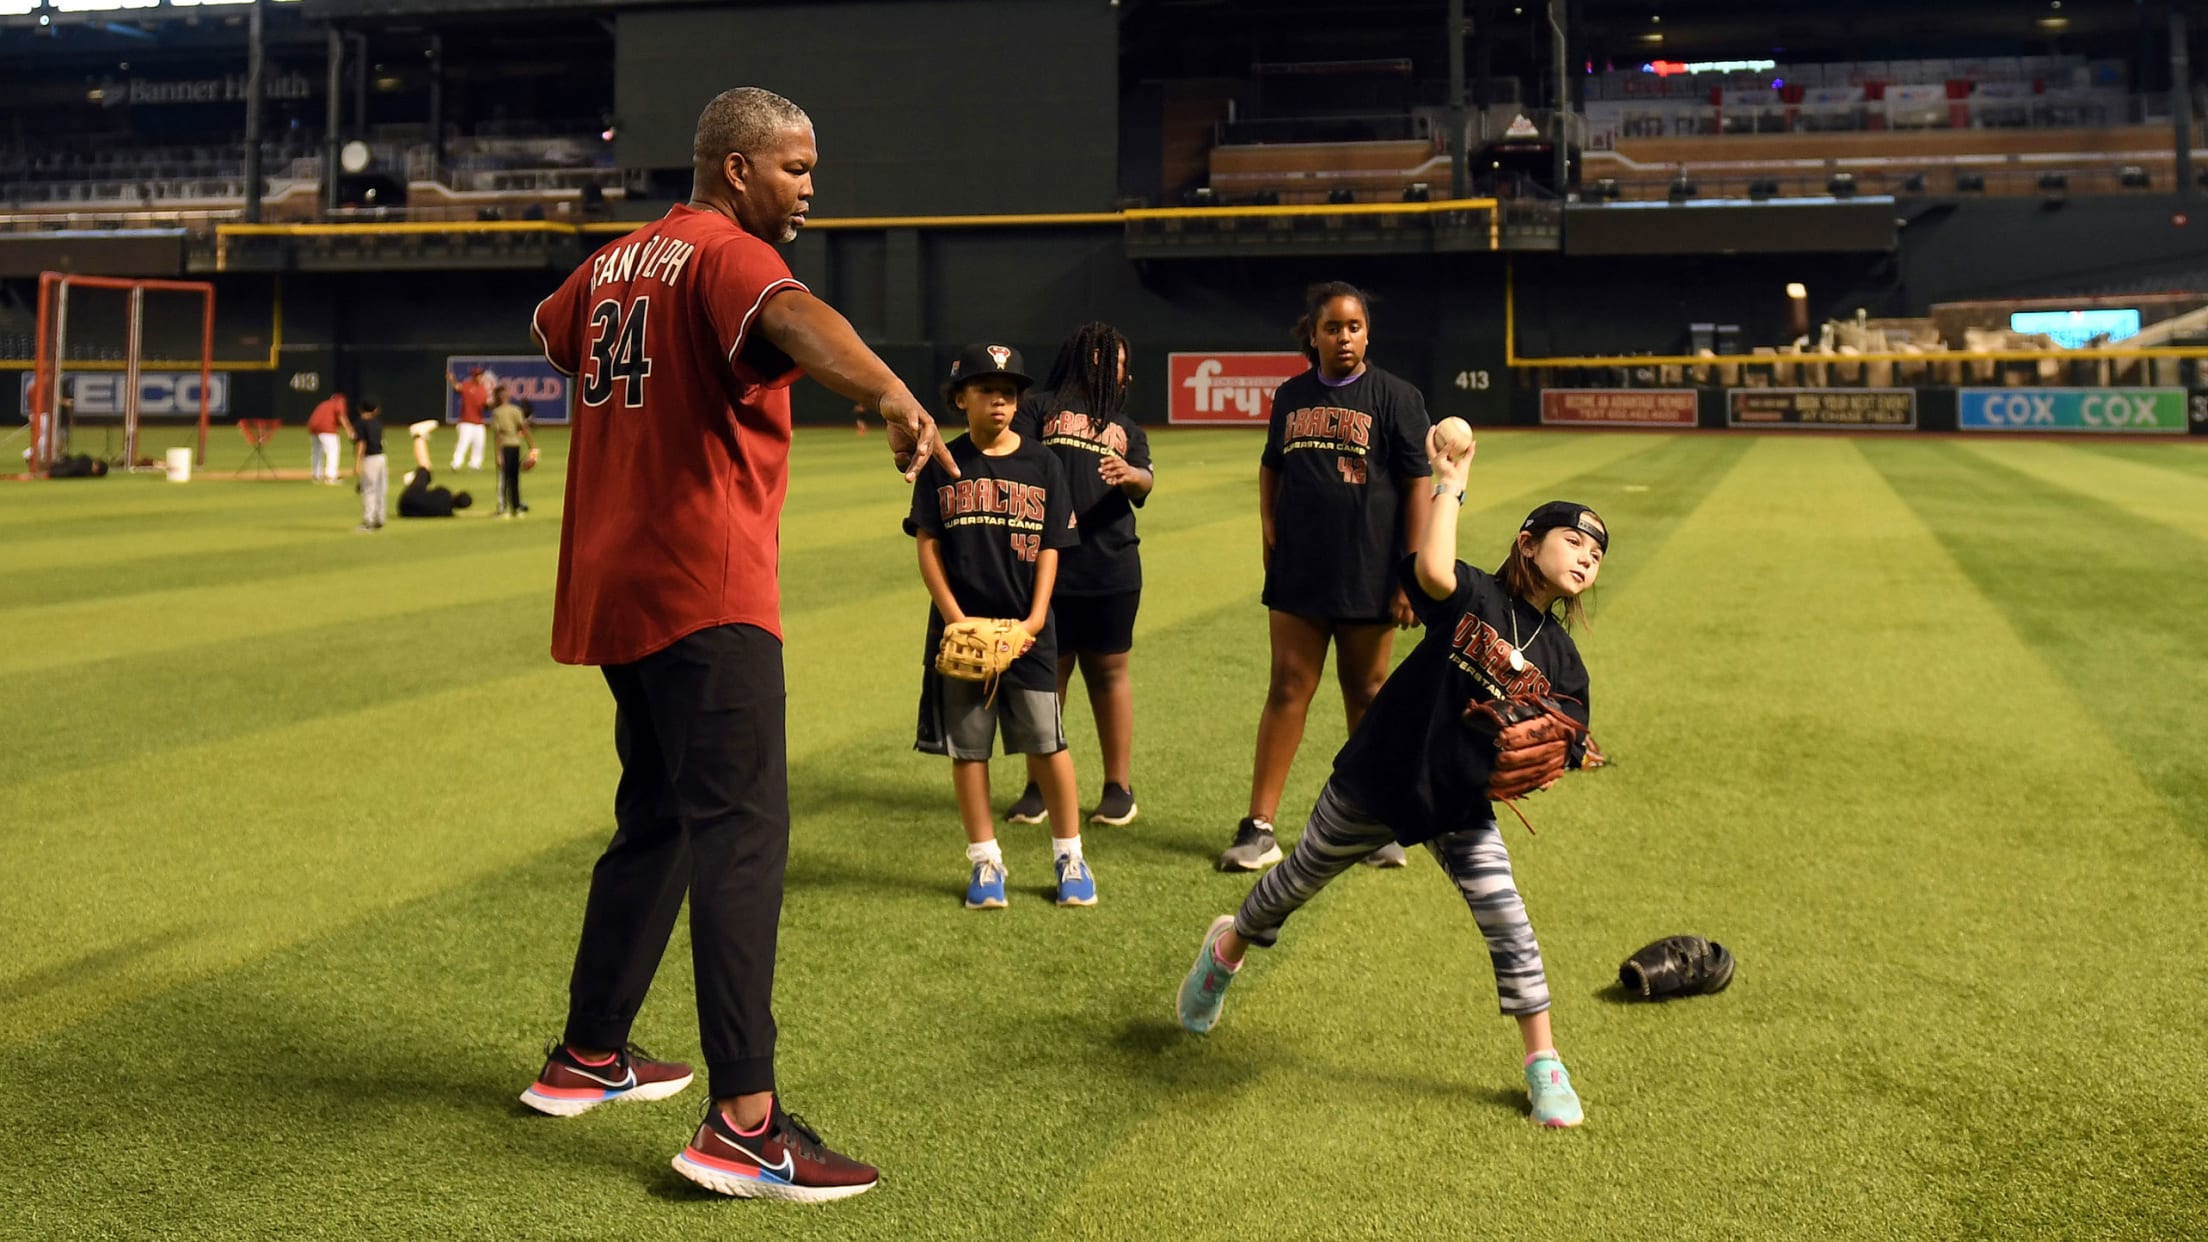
<point>472,398</point>
<point>679,443</point>
<point>328,416</point>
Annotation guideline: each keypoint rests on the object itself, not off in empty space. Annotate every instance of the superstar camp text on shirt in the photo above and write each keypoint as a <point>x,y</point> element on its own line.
<point>992,524</point>
<point>1340,455</point>
<point>1105,561</point>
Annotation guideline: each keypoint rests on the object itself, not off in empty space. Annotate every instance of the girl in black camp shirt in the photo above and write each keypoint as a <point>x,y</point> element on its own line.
<point>1414,773</point>
<point>1340,500</point>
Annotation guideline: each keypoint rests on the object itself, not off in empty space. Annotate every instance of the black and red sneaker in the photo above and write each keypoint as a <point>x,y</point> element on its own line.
<point>569,1085</point>
<point>784,1160</point>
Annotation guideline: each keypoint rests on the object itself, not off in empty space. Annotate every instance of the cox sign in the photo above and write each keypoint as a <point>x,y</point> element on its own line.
<point>1227,389</point>
<point>161,394</point>
<point>527,377</point>
<point>2130,410</point>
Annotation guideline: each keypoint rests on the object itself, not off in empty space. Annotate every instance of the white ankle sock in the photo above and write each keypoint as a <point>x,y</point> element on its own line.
<point>1061,847</point>
<point>985,851</point>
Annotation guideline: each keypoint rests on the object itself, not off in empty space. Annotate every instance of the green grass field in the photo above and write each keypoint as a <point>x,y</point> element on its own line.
<point>298,824</point>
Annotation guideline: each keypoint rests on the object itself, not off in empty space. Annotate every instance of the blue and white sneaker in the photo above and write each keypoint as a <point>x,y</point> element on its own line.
<point>1076,883</point>
<point>1554,1101</point>
<point>985,890</point>
<point>1205,988</point>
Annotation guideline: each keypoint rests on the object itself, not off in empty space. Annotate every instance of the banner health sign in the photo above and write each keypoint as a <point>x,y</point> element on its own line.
<point>528,377</point>
<point>1618,407</point>
<point>1227,389</point>
<point>1886,409</point>
<point>2129,410</point>
<point>161,394</point>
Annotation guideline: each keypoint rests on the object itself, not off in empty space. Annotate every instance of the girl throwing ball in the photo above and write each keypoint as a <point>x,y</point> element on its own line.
<point>1413,773</point>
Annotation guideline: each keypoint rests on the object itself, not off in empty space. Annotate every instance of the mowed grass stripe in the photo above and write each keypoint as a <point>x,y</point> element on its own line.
<point>2155,493</point>
<point>2112,604</point>
<point>186,862</point>
<point>2188,455</point>
<point>59,635</point>
<point>134,706</point>
<point>1846,894</point>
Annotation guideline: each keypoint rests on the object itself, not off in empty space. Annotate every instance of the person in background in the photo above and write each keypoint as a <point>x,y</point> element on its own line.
<point>369,470</point>
<point>420,500</point>
<point>511,426</point>
<point>323,427</point>
<point>475,392</point>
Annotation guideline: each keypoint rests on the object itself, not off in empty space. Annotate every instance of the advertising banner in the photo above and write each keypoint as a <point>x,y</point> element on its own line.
<point>2120,410</point>
<point>527,376</point>
<point>1226,389</point>
<point>1617,407</point>
<point>161,394</point>
<point>1883,409</point>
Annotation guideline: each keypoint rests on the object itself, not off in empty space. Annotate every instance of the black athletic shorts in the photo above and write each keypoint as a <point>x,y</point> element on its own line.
<point>1103,624</point>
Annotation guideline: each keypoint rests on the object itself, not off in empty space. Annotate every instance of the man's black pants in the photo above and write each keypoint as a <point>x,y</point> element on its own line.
<point>509,478</point>
<point>703,805</point>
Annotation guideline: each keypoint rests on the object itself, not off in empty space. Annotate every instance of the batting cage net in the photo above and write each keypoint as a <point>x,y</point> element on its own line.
<point>114,356</point>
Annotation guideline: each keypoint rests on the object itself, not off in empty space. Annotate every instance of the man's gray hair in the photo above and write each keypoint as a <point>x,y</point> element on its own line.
<point>744,119</point>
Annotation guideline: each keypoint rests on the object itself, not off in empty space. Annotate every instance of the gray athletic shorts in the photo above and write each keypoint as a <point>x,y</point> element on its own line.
<point>957,720</point>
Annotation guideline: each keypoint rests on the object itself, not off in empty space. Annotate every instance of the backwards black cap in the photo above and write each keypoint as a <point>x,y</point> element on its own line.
<point>1563,514</point>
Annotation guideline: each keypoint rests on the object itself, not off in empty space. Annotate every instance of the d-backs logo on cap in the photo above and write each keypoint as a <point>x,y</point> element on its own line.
<point>1001,356</point>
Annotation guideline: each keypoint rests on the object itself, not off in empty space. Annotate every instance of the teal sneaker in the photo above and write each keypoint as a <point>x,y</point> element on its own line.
<point>985,890</point>
<point>1554,1101</point>
<point>1205,988</point>
<point>1076,883</point>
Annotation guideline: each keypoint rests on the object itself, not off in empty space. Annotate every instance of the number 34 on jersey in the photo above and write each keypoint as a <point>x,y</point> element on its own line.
<point>618,354</point>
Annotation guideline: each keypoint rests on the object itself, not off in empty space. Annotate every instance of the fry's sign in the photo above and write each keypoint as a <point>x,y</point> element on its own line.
<point>1227,389</point>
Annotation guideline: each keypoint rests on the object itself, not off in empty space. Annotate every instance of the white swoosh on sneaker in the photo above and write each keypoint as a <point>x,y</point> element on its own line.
<point>786,1170</point>
<point>625,1081</point>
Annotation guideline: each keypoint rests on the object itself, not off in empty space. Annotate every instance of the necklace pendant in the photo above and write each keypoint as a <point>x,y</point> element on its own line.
<point>1517,661</point>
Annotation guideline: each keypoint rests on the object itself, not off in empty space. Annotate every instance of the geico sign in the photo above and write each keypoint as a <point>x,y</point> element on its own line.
<point>159,393</point>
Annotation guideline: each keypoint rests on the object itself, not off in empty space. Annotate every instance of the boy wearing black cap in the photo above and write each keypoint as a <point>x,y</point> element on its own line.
<point>989,541</point>
<point>1414,773</point>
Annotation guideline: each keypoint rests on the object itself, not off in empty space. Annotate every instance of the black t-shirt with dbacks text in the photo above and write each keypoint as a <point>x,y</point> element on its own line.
<point>993,522</point>
<point>1341,455</point>
<point>1412,763</point>
<point>1105,562</point>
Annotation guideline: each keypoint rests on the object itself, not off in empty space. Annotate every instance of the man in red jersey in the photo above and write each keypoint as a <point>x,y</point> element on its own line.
<point>475,393</point>
<point>683,338</point>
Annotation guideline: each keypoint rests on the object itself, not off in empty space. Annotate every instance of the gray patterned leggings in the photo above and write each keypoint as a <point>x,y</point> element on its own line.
<point>1340,834</point>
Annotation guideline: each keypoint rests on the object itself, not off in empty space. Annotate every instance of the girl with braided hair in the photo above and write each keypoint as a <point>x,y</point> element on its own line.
<point>1080,413</point>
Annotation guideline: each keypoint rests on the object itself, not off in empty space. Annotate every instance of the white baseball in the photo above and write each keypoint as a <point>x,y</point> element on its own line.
<point>1455,436</point>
